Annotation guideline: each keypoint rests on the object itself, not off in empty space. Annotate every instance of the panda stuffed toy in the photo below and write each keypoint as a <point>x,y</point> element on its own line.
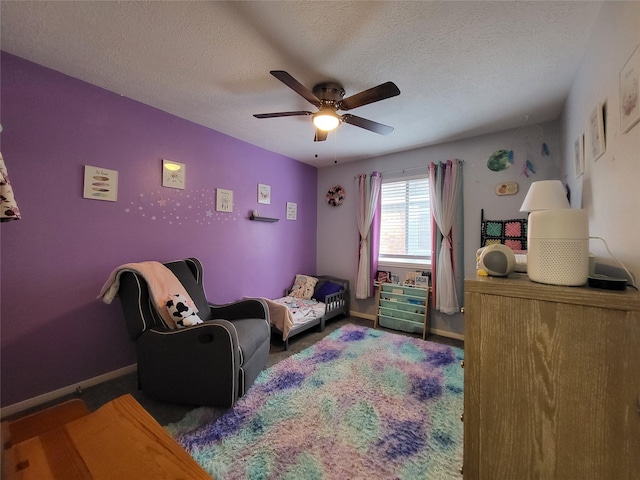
<point>181,312</point>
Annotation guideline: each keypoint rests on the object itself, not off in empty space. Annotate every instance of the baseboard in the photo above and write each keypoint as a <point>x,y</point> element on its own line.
<point>435,331</point>
<point>366,316</point>
<point>61,392</point>
<point>446,333</point>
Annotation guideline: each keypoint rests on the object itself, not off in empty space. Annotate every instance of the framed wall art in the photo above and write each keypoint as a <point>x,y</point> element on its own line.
<point>264,194</point>
<point>579,155</point>
<point>100,183</point>
<point>224,200</point>
<point>173,174</point>
<point>292,211</point>
<point>630,92</point>
<point>596,133</point>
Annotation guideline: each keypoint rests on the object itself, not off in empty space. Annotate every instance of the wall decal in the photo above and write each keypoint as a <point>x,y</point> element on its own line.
<point>180,207</point>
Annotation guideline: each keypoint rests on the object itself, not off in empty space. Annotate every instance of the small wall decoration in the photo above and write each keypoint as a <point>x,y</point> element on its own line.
<point>596,133</point>
<point>335,195</point>
<point>500,160</point>
<point>264,194</point>
<point>173,174</point>
<point>224,200</point>
<point>100,183</point>
<point>630,92</point>
<point>508,188</point>
<point>292,211</point>
<point>579,155</point>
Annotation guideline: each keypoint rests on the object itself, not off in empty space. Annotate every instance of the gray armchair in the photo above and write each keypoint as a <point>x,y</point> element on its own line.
<point>212,363</point>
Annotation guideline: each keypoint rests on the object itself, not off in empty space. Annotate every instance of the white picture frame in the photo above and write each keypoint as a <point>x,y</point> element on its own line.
<point>630,92</point>
<point>264,194</point>
<point>579,155</point>
<point>100,183</point>
<point>174,174</point>
<point>596,133</point>
<point>224,200</point>
<point>292,211</point>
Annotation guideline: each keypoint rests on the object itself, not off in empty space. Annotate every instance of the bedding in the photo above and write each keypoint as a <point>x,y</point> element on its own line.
<point>291,315</point>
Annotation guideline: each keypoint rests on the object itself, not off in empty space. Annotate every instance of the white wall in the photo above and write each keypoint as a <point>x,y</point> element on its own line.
<point>337,231</point>
<point>610,186</point>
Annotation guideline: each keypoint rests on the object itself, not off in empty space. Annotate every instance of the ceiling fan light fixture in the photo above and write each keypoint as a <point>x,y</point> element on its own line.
<point>326,120</point>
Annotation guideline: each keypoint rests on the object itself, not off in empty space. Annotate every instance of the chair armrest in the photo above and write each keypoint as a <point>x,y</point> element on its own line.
<point>249,308</point>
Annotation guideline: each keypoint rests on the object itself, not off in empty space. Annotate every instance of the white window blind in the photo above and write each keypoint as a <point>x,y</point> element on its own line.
<point>405,222</point>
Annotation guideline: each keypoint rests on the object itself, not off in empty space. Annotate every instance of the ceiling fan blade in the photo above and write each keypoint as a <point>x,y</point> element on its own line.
<point>281,114</point>
<point>367,124</point>
<point>320,136</point>
<point>375,94</point>
<point>296,86</point>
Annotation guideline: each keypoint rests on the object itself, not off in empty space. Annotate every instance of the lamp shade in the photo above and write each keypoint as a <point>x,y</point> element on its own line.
<point>545,195</point>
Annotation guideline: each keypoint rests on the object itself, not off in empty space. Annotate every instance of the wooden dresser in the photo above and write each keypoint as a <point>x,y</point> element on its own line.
<point>552,381</point>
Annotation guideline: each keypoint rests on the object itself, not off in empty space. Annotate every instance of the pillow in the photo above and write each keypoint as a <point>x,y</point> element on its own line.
<point>327,288</point>
<point>181,312</point>
<point>303,286</point>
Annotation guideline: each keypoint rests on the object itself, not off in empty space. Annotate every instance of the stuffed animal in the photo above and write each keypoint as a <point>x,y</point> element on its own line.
<point>180,310</point>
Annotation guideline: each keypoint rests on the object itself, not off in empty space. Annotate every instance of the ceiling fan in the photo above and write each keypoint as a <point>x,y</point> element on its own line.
<point>328,98</point>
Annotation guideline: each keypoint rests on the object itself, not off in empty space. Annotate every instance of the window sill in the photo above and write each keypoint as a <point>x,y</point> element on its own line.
<point>405,264</point>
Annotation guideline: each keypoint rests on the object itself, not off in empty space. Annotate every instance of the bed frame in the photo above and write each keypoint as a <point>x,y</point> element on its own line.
<point>335,304</point>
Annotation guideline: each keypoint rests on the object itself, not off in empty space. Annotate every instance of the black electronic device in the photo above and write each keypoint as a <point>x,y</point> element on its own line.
<point>607,283</point>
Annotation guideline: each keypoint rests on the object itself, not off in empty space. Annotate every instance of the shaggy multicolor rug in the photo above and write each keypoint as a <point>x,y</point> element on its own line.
<point>359,404</point>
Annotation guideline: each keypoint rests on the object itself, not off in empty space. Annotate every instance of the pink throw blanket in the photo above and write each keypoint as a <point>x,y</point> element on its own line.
<point>280,316</point>
<point>161,281</point>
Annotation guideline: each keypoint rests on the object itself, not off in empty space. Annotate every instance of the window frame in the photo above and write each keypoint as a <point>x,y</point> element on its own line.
<point>404,261</point>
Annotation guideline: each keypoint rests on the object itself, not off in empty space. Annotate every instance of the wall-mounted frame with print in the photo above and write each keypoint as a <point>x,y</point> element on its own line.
<point>100,183</point>
<point>174,174</point>
<point>630,92</point>
<point>224,200</point>
<point>579,155</point>
<point>264,194</point>
<point>292,211</point>
<point>596,133</point>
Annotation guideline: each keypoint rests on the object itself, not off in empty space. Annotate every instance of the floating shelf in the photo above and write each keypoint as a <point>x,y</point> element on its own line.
<point>263,219</point>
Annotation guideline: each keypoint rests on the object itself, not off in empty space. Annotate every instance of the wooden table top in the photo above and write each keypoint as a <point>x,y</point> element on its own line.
<point>118,441</point>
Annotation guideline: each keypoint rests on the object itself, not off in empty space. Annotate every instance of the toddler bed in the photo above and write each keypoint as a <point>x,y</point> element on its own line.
<point>310,302</point>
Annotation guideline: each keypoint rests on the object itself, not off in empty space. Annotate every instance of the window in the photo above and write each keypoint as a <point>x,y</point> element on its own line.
<point>405,222</point>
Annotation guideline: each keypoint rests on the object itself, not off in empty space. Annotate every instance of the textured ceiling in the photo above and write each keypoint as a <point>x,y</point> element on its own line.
<point>464,68</point>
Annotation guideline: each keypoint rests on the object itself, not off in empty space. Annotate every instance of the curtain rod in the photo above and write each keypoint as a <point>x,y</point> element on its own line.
<point>403,170</point>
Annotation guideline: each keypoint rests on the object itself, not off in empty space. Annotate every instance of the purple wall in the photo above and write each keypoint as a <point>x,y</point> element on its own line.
<point>54,332</point>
